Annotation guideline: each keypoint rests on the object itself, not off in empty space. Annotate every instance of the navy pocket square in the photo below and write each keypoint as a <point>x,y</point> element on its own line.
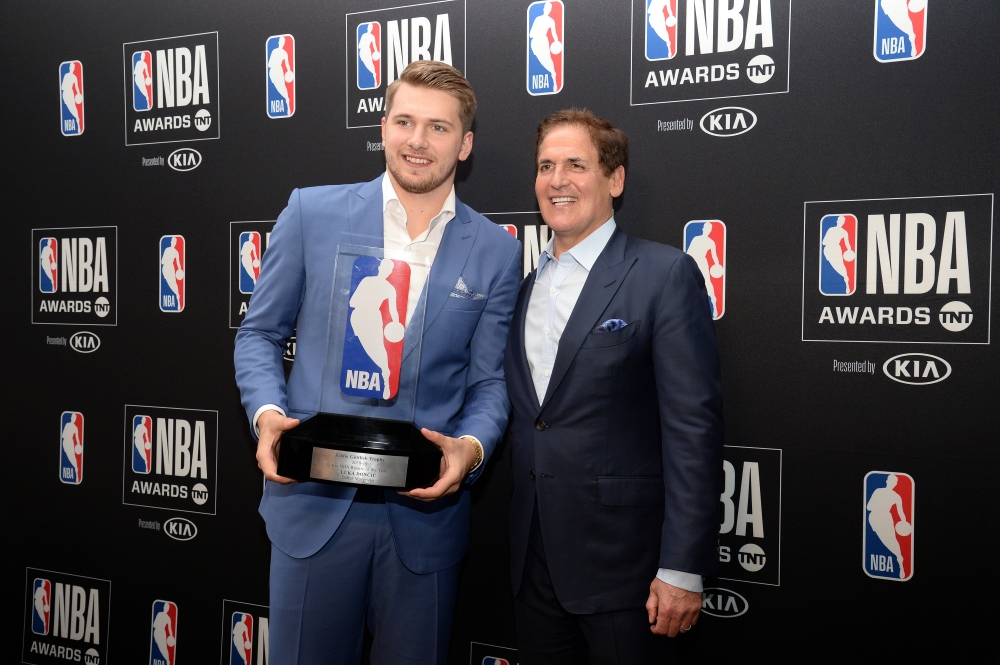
<point>610,325</point>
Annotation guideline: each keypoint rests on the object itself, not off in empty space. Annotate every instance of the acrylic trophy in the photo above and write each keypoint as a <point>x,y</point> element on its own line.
<point>364,433</point>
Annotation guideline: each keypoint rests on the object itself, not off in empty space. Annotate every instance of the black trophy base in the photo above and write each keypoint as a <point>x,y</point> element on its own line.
<point>362,452</point>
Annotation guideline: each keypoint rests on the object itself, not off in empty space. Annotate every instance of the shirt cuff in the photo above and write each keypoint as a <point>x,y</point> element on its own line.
<point>686,581</point>
<point>479,445</point>
<point>266,407</point>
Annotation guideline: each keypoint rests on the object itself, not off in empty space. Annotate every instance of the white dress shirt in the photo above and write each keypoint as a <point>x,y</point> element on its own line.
<point>558,284</point>
<point>397,241</point>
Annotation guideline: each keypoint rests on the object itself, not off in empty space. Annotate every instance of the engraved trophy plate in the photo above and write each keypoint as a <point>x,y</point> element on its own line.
<point>364,434</point>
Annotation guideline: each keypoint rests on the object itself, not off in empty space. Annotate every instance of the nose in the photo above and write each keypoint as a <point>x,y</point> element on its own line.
<point>559,179</point>
<point>418,138</point>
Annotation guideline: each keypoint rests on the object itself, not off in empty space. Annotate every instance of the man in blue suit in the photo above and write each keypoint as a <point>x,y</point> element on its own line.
<point>616,429</point>
<point>341,556</point>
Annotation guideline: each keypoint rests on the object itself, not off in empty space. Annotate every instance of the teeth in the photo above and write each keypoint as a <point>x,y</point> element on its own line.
<point>417,160</point>
<point>562,199</point>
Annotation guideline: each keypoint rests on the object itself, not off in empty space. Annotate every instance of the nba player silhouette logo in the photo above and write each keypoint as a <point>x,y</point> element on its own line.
<point>369,36</point>
<point>48,265</point>
<point>280,54</point>
<point>376,323</point>
<point>661,29</point>
<point>142,80</point>
<point>142,444</point>
<point>705,242</point>
<point>71,447</point>
<point>41,604</point>
<point>491,660</point>
<point>241,648</point>
<point>900,29</point>
<point>71,102</point>
<point>249,260</point>
<point>545,47</point>
<point>838,247</point>
<point>172,274</point>
<point>888,546</point>
<point>163,638</point>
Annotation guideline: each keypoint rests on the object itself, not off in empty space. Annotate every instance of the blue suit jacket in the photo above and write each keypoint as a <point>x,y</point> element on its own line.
<point>461,388</point>
<point>624,455</point>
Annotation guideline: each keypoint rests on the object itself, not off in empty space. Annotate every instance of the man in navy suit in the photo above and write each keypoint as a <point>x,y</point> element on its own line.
<point>340,555</point>
<point>616,430</point>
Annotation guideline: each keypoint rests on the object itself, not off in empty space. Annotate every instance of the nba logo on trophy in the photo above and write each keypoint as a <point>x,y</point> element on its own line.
<point>71,447</point>
<point>280,54</point>
<point>40,606</point>
<point>163,639</point>
<point>545,47</point>
<point>172,274</point>
<point>376,323</point>
<point>705,241</point>
<point>249,260</point>
<point>900,29</point>
<point>48,265</point>
<point>241,649</point>
<point>142,444</point>
<point>369,55</point>
<point>888,545</point>
<point>661,29</point>
<point>838,238</point>
<point>71,86</point>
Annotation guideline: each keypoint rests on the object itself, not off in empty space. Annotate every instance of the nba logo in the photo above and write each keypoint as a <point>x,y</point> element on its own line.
<point>249,259</point>
<point>142,80</point>
<point>509,228</point>
<point>888,547</point>
<point>71,102</point>
<point>142,444</point>
<point>71,447</point>
<point>900,29</point>
<point>242,647</point>
<point>41,592</point>
<point>705,242</point>
<point>545,47</point>
<point>838,246</point>
<point>490,660</point>
<point>376,323</point>
<point>163,641</point>
<point>172,274</point>
<point>280,54</point>
<point>48,266</point>
<point>369,55</point>
<point>661,29</point>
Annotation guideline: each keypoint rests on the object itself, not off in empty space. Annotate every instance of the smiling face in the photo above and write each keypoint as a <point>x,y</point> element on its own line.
<point>574,194</point>
<point>423,138</point>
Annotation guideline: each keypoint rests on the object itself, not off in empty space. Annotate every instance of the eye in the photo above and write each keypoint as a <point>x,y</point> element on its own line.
<point>544,168</point>
<point>438,128</point>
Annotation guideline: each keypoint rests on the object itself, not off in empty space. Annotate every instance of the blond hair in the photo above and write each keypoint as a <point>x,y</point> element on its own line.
<point>437,76</point>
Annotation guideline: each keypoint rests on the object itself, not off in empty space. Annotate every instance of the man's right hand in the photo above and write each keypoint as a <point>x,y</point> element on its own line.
<point>271,425</point>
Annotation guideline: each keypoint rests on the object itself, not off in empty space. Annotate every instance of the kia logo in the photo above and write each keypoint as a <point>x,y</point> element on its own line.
<point>723,603</point>
<point>179,528</point>
<point>184,159</point>
<point>917,369</point>
<point>84,342</point>
<point>728,121</point>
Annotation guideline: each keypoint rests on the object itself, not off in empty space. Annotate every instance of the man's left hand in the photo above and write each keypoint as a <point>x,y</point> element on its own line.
<point>671,610</point>
<point>459,456</point>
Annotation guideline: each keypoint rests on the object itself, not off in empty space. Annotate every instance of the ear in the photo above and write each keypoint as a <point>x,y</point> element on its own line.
<point>617,182</point>
<point>383,131</point>
<point>466,150</point>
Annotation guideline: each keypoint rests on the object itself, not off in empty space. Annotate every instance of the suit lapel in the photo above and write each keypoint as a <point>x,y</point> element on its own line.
<point>367,222</point>
<point>601,286</point>
<point>517,337</point>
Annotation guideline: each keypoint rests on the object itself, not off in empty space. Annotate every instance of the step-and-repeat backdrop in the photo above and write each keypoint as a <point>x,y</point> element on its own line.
<point>831,166</point>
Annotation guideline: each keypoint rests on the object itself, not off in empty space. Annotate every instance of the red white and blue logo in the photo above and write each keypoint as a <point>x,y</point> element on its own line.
<point>509,228</point>
<point>900,29</point>
<point>172,277</point>
<point>48,265</point>
<point>369,36</point>
<point>838,255</point>
<point>71,97</point>
<point>163,638</point>
<point>888,546</point>
<point>71,447</point>
<point>280,58</point>
<point>142,444</point>
<point>41,604</point>
<point>142,80</point>
<point>241,647</point>
<point>492,660</point>
<point>661,29</point>
<point>376,323</point>
<point>545,47</point>
<point>705,241</point>
<point>249,260</point>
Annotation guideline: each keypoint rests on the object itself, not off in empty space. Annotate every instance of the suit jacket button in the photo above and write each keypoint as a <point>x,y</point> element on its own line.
<point>539,425</point>
<point>531,474</point>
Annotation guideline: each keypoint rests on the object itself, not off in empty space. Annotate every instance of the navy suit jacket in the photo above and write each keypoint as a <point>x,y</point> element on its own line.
<point>624,455</point>
<point>461,386</point>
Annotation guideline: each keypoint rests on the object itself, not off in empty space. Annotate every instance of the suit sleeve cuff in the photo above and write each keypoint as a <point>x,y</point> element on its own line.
<point>686,581</point>
<point>262,409</point>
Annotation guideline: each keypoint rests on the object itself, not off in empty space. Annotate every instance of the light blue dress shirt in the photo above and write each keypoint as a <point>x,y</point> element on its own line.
<point>558,284</point>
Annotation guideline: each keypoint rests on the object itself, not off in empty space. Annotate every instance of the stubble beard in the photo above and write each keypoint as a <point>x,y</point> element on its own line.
<point>413,185</point>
